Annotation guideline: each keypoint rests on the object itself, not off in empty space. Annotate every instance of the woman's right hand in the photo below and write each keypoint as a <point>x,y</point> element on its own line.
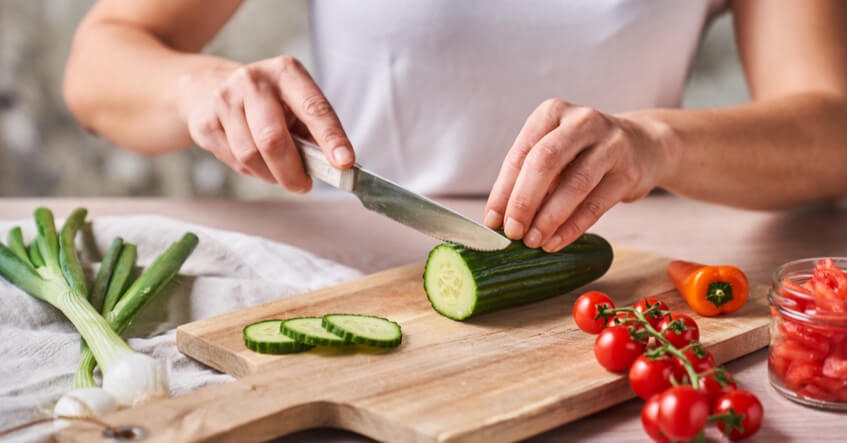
<point>244,115</point>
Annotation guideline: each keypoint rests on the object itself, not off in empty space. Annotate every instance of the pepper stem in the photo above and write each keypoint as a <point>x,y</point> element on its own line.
<point>719,293</point>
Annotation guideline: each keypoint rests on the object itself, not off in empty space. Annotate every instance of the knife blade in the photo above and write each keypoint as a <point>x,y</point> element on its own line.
<point>391,200</point>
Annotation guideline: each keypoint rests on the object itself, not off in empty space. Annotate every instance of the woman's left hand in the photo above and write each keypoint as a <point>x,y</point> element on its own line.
<point>568,166</point>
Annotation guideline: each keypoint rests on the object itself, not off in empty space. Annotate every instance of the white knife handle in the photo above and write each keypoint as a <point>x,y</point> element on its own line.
<point>319,167</point>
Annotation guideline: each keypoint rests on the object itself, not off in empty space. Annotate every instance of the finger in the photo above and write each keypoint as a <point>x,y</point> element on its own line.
<point>607,193</point>
<point>574,184</point>
<point>308,103</point>
<point>545,118</point>
<point>209,135</point>
<point>241,143</point>
<point>545,162</point>
<point>268,127</point>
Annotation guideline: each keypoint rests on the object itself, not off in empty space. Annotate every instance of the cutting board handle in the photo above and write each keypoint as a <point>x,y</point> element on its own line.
<point>247,410</point>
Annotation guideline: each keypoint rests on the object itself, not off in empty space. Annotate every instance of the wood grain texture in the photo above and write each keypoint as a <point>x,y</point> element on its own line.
<point>502,376</point>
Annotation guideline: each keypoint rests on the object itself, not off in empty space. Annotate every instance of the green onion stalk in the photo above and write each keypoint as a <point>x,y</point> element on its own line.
<point>84,377</point>
<point>50,271</point>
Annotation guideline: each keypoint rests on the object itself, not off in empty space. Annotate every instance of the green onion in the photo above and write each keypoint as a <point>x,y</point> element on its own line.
<point>104,274</point>
<point>23,276</point>
<point>84,377</point>
<point>48,242</point>
<point>68,260</point>
<point>16,244</point>
<point>122,277</point>
<point>35,256</point>
<point>151,283</point>
<point>132,378</point>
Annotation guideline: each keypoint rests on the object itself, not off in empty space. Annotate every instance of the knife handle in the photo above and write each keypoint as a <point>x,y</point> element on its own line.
<point>316,165</point>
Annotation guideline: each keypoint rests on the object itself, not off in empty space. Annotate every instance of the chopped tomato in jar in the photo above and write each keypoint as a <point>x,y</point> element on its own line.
<point>808,351</point>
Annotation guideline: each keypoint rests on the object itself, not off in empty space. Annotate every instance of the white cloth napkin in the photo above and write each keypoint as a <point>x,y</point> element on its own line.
<point>39,348</point>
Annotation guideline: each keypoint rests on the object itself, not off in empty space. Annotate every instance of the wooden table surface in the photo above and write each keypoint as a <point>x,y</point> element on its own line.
<point>342,231</point>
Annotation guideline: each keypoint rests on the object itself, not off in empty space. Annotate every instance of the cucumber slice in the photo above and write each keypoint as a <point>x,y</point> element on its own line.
<point>308,330</point>
<point>364,329</point>
<point>264,337</point>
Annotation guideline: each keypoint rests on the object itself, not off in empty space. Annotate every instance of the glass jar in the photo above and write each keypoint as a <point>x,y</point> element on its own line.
<point>807,356</point>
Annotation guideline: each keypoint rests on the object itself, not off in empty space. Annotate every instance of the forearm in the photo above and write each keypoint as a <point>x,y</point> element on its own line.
<point>769,154</point>
<point>122,83</point>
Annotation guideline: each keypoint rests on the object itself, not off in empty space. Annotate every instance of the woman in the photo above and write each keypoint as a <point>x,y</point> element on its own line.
<point>432,92</point>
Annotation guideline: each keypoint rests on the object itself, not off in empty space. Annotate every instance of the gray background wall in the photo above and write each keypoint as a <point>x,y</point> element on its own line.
<point>43,151</point>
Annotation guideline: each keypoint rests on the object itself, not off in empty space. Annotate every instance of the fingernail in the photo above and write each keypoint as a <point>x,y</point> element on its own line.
<point>493,219</point>
<point>533,238</point>
<point>552,244</point>
<point>342,155</point>
<point>514,229</point>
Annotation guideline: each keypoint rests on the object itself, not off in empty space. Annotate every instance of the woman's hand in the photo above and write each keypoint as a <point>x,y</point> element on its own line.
<point>244,116</point>
<point>568,166</point>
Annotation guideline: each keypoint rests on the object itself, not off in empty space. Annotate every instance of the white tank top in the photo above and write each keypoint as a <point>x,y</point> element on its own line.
<point>433,92</point>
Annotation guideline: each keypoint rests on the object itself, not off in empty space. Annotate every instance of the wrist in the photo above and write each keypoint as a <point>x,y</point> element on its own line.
<point>660,138</point>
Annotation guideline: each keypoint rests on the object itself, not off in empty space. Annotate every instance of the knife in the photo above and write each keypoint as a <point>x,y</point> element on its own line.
<point>391,200</point>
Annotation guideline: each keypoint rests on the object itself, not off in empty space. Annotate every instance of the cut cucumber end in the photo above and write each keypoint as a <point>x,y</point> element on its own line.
<point>449,284</point>
<point>364,329</point>
<point>461,283</point>
<point>265,337</point>
<point>310,331</point>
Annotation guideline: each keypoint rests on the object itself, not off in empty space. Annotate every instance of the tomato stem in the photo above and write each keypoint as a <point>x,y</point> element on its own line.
<point>669,348</point>
<point>732,419</point>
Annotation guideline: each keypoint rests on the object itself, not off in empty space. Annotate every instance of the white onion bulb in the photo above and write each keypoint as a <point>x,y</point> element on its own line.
<point>136,379</point>
<point>84,402</point>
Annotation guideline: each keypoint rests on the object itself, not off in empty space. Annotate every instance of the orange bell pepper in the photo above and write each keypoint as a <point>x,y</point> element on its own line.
<point>710,290</point>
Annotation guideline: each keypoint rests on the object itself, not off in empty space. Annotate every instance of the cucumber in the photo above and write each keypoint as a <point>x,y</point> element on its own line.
<point>364,329</point>
<point>461,283</point>
<point>310,331</point>
<point>264,337</point>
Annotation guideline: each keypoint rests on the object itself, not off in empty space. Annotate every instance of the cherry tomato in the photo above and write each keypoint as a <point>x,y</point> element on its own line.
<point>701,364</point>
<point>683,330</point>
<point>649,377</point>
<point>650,420</point>
<point>585,312</point>
<point>683,412</point>
<point>712,387</point>
<point>644,304</point>
<point>741,403</point>
<point>615,349</point>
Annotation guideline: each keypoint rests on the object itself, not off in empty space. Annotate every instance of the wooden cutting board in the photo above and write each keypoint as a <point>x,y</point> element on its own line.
<point>502,376</point>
